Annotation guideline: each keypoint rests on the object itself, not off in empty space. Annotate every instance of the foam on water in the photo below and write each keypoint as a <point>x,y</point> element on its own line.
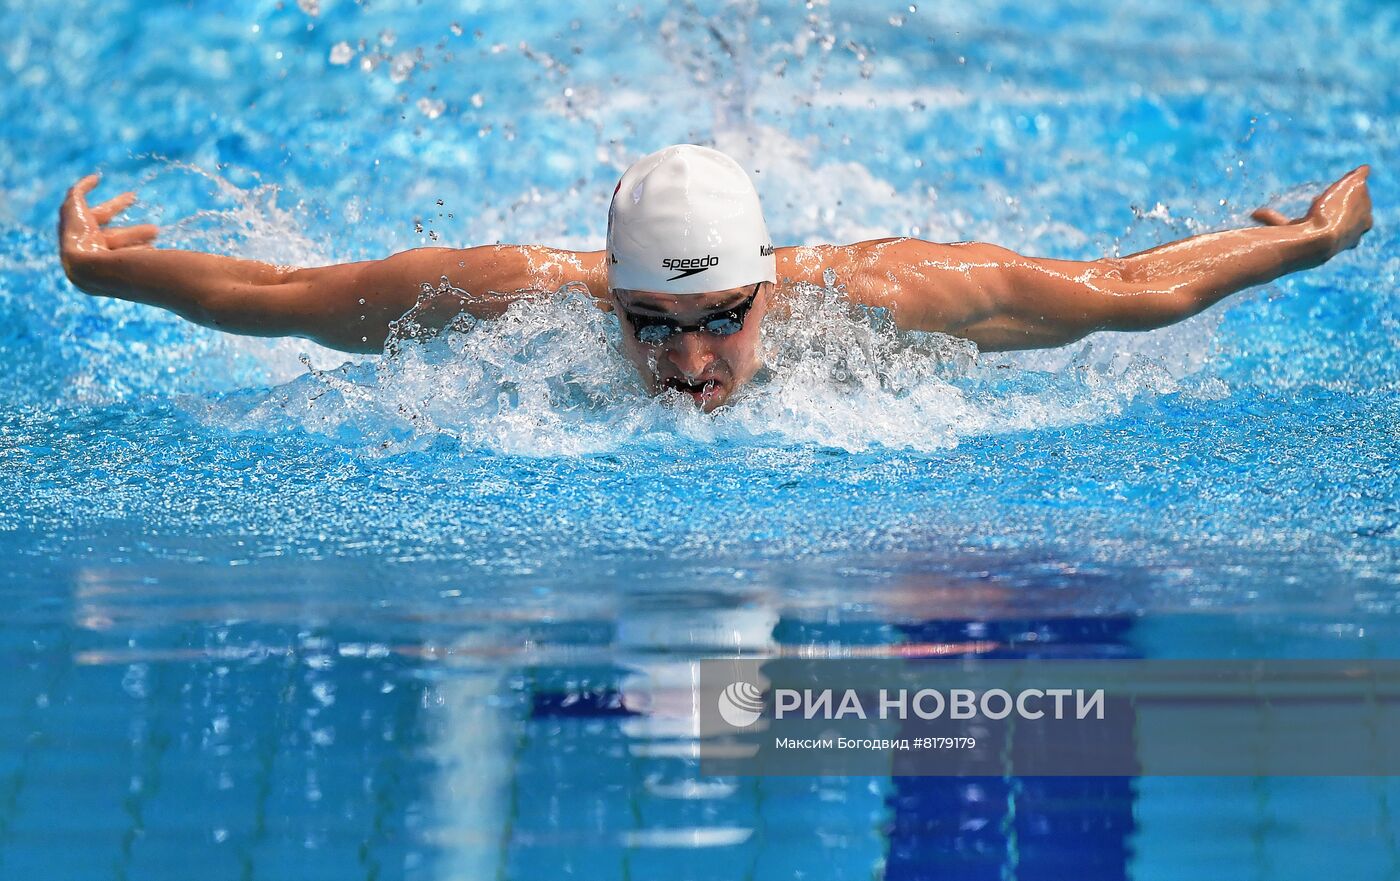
<point>548,378</point>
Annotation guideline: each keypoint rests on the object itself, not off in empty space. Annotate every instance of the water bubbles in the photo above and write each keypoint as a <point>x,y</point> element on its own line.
<point>477,100</point>
<point>456,29</point>
<point>431,108</point>
<point>310,7</point>
<point>342,53</point>
<point>362,301</point>
<point>401,68</point>
<point>134,683</point>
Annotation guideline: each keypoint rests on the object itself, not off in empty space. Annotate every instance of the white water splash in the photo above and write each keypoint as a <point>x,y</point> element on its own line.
<point>548,379</point>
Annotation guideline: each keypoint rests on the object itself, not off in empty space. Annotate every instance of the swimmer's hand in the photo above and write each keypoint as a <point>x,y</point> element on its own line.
<point>1342,212</point>
<point>84,231</point>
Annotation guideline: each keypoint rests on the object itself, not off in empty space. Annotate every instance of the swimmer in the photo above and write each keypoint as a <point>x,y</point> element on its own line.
<point>691,273</point>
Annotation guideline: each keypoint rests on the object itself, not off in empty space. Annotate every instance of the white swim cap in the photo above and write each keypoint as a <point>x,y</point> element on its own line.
<point>686,220</point>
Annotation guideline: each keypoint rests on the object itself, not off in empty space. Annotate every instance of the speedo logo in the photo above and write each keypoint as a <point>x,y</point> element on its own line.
<point>688,266</point>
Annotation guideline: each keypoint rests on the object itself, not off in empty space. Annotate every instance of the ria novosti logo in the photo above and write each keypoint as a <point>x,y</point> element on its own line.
<point>740,704</point>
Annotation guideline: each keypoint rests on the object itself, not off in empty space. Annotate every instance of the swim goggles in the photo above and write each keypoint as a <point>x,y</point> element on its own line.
<point>654,330</point>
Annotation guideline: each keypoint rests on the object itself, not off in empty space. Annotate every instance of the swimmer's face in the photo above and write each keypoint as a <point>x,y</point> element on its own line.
<point>707,366</point>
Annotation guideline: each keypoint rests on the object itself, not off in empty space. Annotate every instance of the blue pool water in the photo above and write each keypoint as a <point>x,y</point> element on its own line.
<point>271,612</point>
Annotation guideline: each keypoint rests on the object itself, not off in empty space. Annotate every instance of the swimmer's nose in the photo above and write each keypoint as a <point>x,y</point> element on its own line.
<point>689,354</point>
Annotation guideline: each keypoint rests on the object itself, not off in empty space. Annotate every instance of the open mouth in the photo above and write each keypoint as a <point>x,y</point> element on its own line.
<point>700,391</point>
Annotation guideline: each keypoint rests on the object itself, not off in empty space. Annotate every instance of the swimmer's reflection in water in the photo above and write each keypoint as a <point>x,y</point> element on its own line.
<point>915,827</point>
<point>691,273</point>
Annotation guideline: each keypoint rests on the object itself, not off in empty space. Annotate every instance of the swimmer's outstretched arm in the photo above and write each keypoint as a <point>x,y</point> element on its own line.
<point>1002,300</point>
<point>347,307</point>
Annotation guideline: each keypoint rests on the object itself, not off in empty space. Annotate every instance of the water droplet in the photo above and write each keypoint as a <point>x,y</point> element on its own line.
<point>456,29</point>
<point>362,301</point>
<point>477,100</point>
<point>402,68</point>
